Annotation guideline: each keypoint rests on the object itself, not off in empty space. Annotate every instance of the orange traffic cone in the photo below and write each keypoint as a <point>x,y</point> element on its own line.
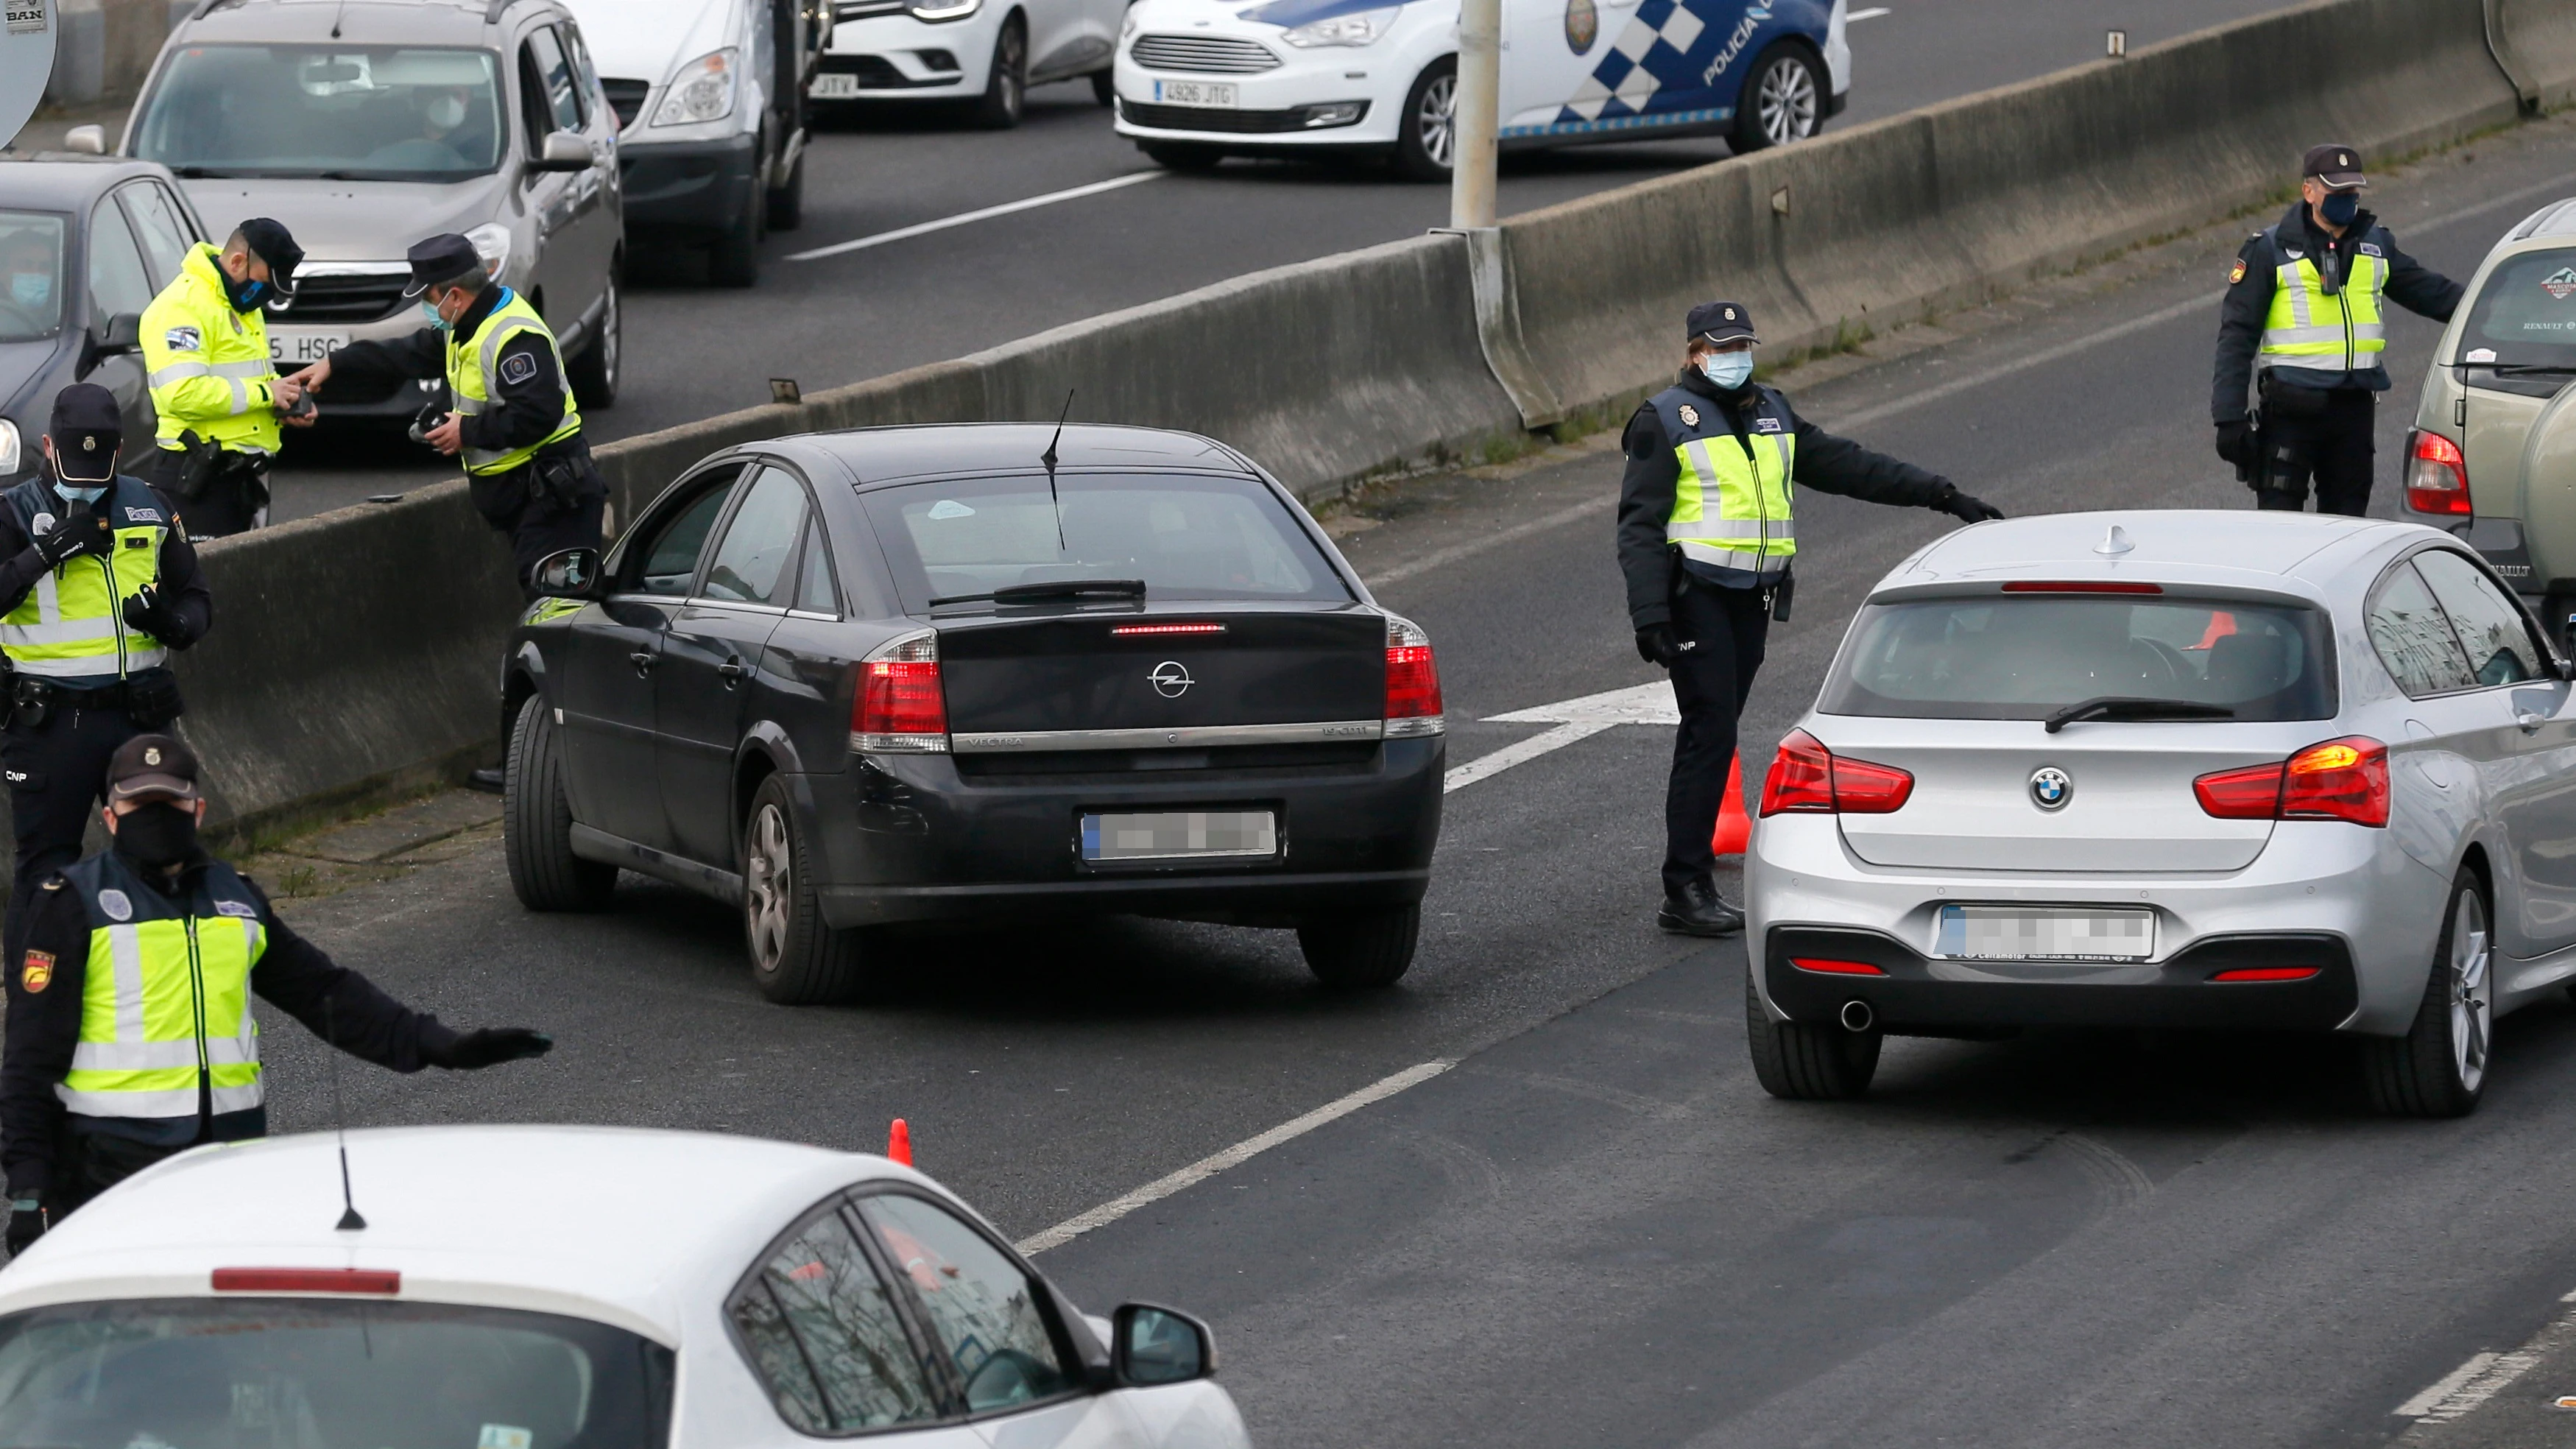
<point>899,1142</point>
<point>1733,829</point>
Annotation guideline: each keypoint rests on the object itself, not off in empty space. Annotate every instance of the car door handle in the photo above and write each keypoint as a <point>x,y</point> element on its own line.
<point>2530,722</point>
<point>643,660</point>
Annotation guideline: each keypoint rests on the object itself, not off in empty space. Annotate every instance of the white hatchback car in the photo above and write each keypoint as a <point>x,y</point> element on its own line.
<point>987,52</point>
<point>569,1288</point>
<point>2172,769</point>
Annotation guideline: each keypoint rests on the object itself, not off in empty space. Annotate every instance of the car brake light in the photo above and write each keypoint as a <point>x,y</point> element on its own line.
<point>1412,682</point>
<point>307,1280</point>
<point>2080,586</point>
<point>2267,973</point>
<point>1152,631</point>
<point>2345,779</point>
<point>1807,778</point>
<point>899,706</point>
<point>2437,477</point>
<point>1835,968</point>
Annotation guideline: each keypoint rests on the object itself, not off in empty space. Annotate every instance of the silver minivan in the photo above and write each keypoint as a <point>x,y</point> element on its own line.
<point>368,125</point>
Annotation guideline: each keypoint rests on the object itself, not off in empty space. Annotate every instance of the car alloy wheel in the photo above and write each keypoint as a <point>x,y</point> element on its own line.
<point>768,887</point>
<point>1435,120</point>
<point>2472,992</point>
<point>1786,100</point>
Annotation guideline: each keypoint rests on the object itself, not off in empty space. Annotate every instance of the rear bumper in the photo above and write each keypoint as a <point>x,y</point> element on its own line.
<point>690,190</point>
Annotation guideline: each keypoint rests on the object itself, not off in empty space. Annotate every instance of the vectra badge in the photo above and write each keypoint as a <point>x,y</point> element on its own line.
<point>1170,679</point>
<point>2050,788</point>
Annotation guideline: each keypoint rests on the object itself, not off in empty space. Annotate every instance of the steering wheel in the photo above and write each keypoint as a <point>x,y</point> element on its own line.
<point>2179,667</point>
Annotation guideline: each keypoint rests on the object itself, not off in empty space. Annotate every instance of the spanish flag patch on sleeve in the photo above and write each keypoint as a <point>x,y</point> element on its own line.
<point>2236,273</point>
<point>38,973</point>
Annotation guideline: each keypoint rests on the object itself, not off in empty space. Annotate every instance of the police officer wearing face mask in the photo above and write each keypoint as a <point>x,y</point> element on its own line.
<point>205,347</point>
<point>98,583</point>
<point>1706,534</point>
<point>130,1035</point>
<point>2304,321</point>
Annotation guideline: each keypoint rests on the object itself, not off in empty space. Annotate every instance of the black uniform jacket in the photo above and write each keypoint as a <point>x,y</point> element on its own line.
<point>1824,462</point>
<point>2250,284</point>
<point>182,585</point>
<point>292,974</point>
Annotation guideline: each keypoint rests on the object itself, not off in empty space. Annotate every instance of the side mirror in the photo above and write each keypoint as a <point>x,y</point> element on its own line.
<point>563,151</point>
<point>1151,1345</point>
<point>573,573</point>
<point>86,140</point>
<point>124,334</point>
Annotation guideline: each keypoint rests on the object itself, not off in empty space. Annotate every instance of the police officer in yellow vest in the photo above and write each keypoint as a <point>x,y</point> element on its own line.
<point>1707,530</point>
<point>130,1034</point>
<point>219,401</point>
<point>2305,324</point>
<point>98,583</point>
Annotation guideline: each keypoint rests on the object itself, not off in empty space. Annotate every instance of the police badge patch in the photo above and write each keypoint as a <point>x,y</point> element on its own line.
<point>38,972</point>
<point>1690,416</point>
<point>518,368</point>
<point>2236,273</point>
<point>1582,25</point>
<point>183,339</point>
<point>114,905</point>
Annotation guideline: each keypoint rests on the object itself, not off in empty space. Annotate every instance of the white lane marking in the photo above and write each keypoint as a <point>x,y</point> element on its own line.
<point>906,233</point>
<point>1870,14</point>
<point>1241,1152</point>
<point>1496,539</point>
<point>2445,1386</point>
<point>1575,719</point>
<point>2473,1383</point>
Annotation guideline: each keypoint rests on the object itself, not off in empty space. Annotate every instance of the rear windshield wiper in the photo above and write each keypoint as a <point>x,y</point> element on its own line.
<point>2526,369</point>
<point>1057,589</point>
<point>2126,707</point>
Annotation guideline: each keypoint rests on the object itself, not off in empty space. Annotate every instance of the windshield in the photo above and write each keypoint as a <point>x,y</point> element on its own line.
<point>1186,536</point>
<point>341,112</point>
<point>227,1373</point>
<point>2526,314</point>
<point>2027,656</point>
<point>31,276</point>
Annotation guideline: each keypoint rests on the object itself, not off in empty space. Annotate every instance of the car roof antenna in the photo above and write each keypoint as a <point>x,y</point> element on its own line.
<point>349,1222</point>
<point>1048,458</point>
<point>337,12</point>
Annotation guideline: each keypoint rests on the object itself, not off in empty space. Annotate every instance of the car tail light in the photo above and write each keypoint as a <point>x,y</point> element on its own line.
<point>1806,778</point>
<point>2437,477</point>
<point>2080,586</point>
<point>1826,967</point>
<point>2267,973</point>
<point>899,707</point>
<point>1412,682</point>
<point>2345,779</point>
<point>307,1280</point>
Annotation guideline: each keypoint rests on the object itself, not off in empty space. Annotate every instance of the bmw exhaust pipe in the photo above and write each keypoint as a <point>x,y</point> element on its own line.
<point>1857,1017</point>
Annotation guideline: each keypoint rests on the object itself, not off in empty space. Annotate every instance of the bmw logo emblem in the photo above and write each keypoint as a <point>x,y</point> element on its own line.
<point>2050,788</point>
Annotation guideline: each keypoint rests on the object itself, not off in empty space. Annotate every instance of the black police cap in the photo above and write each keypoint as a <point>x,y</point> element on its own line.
<point>1721,322</point>
<point>2335,164</point>
<point>440,260</point>
<point>272,243</point>
<point>153,767</point>
<point>87,430</point>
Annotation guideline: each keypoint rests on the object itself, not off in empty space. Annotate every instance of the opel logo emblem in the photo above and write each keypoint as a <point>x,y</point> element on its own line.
<point>2050,788</point>
<point>1170,679</point>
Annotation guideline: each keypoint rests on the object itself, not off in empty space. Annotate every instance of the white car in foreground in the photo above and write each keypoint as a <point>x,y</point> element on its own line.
<point>569,1288</point>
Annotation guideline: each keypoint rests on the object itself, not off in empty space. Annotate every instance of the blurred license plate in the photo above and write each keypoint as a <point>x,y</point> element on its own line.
<point>1220,94</point>
<point>302,346</point>
<point>833,85</point>
<point>2012,933</point>
<point>1180,835</point>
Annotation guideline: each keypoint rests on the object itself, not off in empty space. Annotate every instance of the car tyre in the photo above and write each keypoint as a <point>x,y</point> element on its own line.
<point>787,203</point>
<point>1783,100</point>
<point>594,373</point>
<point>797,959</point>
<point>1183,155</point>
<point>2439,1067</point>
<point>1362,949</point>
<point>1006,84</point>
<point>734,260</point>
<point>1104,87</point>
<point>1801,1063</point>
<point>536,822</point>
<point>1426,130</point>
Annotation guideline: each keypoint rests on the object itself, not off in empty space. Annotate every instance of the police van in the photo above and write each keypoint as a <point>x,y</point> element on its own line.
<point>1200,80</point>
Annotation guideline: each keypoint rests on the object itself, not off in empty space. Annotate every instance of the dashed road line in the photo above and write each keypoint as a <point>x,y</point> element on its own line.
<point>906,233</point>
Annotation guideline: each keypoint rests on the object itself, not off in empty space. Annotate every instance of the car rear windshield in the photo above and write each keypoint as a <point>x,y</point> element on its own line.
<point>2526,314</point>
<point>324,1374</point>
<point>31,275</point>
<point>1186,535</point>
<point>358,113</point>
<point>2026,656</point>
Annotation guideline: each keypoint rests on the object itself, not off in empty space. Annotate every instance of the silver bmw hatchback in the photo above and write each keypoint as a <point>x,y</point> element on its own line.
<point>2172,769</point>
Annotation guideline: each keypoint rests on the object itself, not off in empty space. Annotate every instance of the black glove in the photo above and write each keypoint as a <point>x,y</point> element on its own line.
<point>1658,644</point>
<point>80,532</point>
<point>149,613</point>
<point>489,1047</point>
<point>2236,442</point>
<point>26,1222</point>
<point>1964,508</point>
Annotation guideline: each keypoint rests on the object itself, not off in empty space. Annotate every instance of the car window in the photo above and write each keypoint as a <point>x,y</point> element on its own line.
<point>362,113</point>
<point>2413,639</point>
<point>563,89</point>
<point>31,275</point>
<point>157,225</point>
<point>827,1339</point>
<point>117,282</point>
<point>2489,627</point>
<point>759,541</point>
<point>2525,315</point>
<point>668,559</point>
<point>983,1310</point>
<point>582,69</point>
<point>815,593</point>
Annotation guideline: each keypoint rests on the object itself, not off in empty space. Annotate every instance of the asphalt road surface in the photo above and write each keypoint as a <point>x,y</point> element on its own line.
<point>1591,1226</point>
<point>693,351</point>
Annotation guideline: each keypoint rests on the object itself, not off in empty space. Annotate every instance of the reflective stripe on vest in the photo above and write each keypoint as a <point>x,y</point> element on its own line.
<point>2311,328</point>
<point>166,999</point>
<point>72,623</point>
<point>469,370</point>
<point>1752,526</point>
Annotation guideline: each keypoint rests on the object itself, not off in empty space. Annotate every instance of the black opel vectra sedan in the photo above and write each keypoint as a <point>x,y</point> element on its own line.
<point>852,680</point>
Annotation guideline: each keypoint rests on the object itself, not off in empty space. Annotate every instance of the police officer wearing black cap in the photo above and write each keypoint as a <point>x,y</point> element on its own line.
<point>218,398</point>
<point>2304,323</point>
<point>1707,530</point>
<point>130,1035</point>
<point>98,583</point>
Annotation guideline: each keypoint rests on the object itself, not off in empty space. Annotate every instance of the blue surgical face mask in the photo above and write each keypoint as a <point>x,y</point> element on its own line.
<point>2340,207</point>
<point>31,289</point>
<point>1729,370</point>
<point>429,310</point>
<point>84,495</point>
